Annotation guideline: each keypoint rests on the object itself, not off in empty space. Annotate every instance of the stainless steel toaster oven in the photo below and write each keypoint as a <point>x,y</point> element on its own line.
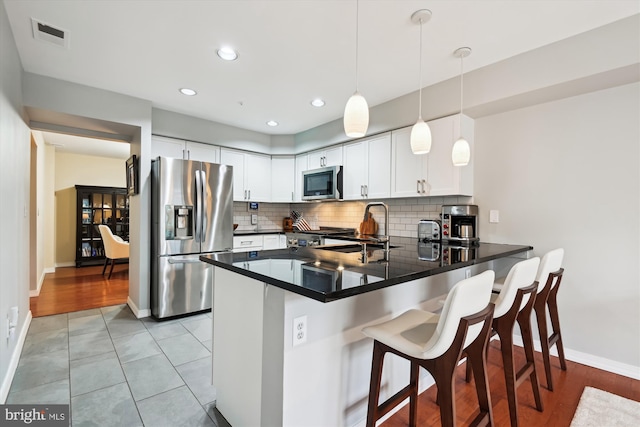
<point>429,230</point>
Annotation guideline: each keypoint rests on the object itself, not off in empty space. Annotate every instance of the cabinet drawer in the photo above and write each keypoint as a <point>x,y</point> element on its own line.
<point>247,243</point>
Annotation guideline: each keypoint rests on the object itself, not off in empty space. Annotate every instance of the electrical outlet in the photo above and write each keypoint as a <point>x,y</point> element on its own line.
<point>467,273</point>
<point>254,219</point>
<point>299,330</point>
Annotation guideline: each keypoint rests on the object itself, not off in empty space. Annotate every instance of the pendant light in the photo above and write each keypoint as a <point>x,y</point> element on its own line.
<point>461,153</point>
<point>420,133</point>
<point>356,112</point>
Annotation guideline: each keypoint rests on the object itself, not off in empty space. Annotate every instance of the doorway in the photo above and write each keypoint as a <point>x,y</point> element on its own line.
<point>71,160</point>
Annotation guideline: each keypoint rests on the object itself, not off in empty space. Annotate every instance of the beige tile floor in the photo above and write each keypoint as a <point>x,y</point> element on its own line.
<point>117,370</point>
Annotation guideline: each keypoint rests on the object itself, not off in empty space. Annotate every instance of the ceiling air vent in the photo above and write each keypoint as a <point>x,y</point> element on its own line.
<point>50,34</point>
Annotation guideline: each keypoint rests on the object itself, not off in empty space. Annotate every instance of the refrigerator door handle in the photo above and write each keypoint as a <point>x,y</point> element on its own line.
<point>183,261</point>
<point>203,203</point>
<point>198,194</point>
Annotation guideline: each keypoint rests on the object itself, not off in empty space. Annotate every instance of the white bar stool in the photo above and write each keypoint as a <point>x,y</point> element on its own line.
<point>436,343</point>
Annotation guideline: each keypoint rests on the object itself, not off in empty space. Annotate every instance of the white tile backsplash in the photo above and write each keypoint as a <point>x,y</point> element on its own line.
<point>404,214</point>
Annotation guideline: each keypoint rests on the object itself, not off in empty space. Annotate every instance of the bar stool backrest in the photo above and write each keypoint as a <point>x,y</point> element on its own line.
<point>551,261</point>
<point>521,275</point>
<point>467,297</point>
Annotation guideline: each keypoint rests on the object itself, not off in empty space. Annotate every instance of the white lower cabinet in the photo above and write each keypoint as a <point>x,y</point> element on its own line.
<point>432,174</point>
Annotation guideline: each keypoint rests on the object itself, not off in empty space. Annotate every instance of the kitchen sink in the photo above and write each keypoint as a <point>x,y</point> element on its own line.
<point>353,247</point>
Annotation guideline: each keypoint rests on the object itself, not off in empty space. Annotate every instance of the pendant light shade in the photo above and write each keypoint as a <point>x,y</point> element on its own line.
<point>356,112</point>
<point>356,116</point>
<point>461,152</point>
<point>420,137</point>
<point>420,133</point>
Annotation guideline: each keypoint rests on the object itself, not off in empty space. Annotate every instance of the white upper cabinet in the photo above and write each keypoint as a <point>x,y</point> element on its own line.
<point>302,164</point>
<point>431,174</point>
<point>181,149</point>
<point>331,156</point>
<point>367,168</point>
<point>251,175</point>
<point>283,172</point>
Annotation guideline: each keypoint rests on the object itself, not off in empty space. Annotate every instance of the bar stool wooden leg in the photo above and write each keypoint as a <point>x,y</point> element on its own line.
<point>374,387</point>
<point>524,321</point>
<point>546,299</point>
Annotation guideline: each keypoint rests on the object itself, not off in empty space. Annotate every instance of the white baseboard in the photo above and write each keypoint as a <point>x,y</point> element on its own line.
<point>589,360</point>
<point>65,264</point>
<point>15,358</point>
<point>138,313</point>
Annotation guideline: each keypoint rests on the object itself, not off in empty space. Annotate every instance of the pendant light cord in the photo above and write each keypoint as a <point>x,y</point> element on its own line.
<point>420,93</point>
<point>461,78</point>
<point>357,19</point>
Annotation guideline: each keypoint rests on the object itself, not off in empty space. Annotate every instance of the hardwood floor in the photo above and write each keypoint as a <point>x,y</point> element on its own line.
<point>74,289</point>
<point>559,405</point>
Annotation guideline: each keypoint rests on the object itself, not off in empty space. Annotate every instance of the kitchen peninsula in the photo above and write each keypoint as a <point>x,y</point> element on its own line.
<point>267,372</point>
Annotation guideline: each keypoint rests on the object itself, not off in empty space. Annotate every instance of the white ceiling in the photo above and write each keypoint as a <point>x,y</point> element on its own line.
<point>89,146</point>
<point>291,51</point>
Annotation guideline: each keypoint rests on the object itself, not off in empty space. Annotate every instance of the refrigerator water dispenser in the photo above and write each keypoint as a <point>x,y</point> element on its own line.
<point>178,222</point>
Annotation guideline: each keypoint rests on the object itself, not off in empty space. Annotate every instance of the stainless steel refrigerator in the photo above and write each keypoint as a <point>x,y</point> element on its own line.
<point>191,215</point>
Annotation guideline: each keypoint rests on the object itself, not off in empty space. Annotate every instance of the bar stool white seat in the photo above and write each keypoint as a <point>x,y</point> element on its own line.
<point>436,343</point>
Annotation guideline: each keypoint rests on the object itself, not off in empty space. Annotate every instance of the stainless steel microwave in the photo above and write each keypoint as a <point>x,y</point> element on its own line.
<point>322,184</point>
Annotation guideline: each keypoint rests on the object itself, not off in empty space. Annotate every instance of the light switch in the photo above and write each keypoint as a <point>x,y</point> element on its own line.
<point>494,216</point>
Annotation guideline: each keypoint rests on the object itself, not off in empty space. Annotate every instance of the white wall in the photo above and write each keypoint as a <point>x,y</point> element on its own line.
<point>14,215</point>
<point>73,169</point>
<point>565,174</point>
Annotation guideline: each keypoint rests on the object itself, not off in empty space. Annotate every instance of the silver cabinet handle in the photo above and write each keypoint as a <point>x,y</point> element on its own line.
<point>418,186</point>
<point>362,190</point>
<point>292,197</point>
<point>423,190</point>
<point>249,195</point>
<point>366,190</point>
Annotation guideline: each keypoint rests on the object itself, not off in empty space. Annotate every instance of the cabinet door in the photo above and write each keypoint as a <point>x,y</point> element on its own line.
<point>302,165</point>
<point>379,167</point>
<point>355,170</point>
<point>333,156</point>
<point>258,177</point>
<point>316,159</point>
<point>444,178</point>
<point>167,147</point>
<point>406,167</point>
<point>282,178</point>
<point>235,159</point>
<point>202,152</point>
<point>270,241</point>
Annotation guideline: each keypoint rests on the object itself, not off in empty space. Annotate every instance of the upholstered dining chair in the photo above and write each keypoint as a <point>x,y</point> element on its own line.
<point>436,342</point>
<point>114,248</point>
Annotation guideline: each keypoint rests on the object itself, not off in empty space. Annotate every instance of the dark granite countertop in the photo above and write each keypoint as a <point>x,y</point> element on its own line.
<point>327,275</point>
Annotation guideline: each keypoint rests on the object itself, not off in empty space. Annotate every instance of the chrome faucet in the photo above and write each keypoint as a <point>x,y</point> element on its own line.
<point>384,239</point>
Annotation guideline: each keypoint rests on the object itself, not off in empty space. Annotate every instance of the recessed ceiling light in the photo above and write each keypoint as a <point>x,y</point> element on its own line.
<point>317,102</point>
<point>227,54</point>
<point>187,91</point>
<point>272,123</point>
